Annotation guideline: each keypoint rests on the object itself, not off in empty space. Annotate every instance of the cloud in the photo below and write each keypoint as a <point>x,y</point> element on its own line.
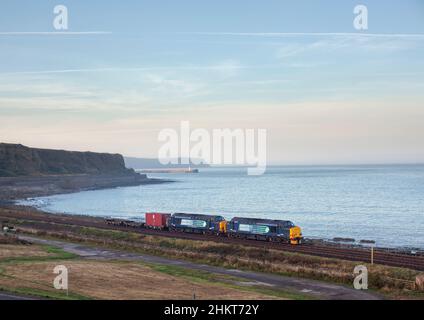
<point>345,44</point>
<point>228,68</point>
<point>49,89</point>
<point>63,97</point>
<point>310,34</point>
<point>223,66</point>
<point>166,85</point>
<point>52,33</point>
<point>110,69</point>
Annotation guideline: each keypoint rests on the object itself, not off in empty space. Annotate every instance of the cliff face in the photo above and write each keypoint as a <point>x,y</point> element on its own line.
<point>18,160</point>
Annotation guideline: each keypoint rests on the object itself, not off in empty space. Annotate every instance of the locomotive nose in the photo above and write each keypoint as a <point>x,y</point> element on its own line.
<point>295,235</point>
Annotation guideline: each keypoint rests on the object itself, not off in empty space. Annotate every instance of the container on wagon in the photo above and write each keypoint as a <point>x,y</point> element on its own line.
<point>156,220</point>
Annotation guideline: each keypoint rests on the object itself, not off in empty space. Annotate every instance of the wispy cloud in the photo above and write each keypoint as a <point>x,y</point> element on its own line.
<point>52,33</point>
<point>335,44</point>
<point>224,66</point>
<point>64,96</point>
<point>172,85</point>
<point>309,34</point>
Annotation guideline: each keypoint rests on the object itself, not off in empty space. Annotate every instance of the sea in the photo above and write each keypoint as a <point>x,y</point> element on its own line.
<point>384,203</point>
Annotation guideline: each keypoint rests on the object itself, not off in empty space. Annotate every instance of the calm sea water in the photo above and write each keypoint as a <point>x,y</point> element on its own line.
<point>382,203</point>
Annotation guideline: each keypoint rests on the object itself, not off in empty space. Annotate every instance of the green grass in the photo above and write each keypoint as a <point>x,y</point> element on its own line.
<point>243,258</point>
<point>38,293</point>
<point>59,253</point>
<point>195,275</point>
<point>201,276</point>
<point>55,254</point>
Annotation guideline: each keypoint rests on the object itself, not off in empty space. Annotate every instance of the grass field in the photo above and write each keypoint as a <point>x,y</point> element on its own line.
<point>29,270</point>
<point>392,282</point>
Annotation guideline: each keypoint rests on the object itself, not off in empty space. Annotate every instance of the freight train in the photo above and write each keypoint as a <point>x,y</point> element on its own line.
<point>247,228</point>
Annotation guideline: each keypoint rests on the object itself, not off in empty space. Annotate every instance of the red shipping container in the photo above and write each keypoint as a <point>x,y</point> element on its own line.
<point>157,220</point>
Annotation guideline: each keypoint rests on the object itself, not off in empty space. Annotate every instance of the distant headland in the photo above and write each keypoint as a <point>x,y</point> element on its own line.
<point>19,160</point>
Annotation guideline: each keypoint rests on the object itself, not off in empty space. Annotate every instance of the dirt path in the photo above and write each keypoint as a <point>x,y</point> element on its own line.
<point>317,289</point>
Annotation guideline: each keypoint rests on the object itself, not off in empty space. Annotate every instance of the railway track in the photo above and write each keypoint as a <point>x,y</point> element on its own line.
<point>364,255</point>
<point>328,251</point>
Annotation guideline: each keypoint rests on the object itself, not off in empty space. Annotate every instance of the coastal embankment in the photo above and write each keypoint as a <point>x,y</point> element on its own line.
<point>204,254</point>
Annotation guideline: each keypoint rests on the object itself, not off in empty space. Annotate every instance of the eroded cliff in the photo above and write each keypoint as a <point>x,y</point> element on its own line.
<point>19,160</point>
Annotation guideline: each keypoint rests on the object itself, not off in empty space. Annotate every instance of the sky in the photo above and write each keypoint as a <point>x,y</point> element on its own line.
<point>326,92</point>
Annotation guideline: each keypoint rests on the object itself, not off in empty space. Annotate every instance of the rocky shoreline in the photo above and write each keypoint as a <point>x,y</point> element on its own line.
<point>15,188</point>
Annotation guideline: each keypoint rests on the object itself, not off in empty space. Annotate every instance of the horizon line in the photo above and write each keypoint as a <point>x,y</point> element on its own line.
<point>208,165</point>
